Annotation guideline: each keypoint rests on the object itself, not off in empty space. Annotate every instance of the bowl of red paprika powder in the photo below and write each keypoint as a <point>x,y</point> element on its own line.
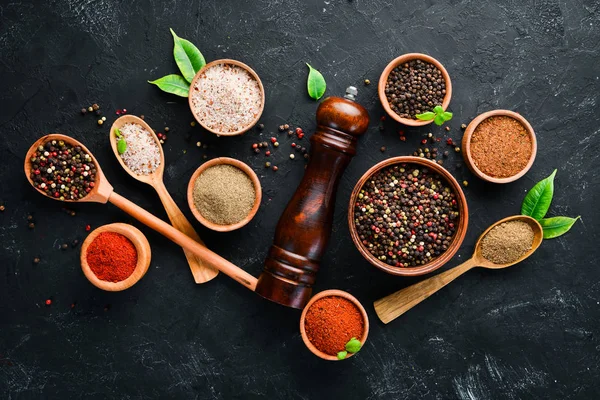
<point>115,256</point>
<point>330,320</point>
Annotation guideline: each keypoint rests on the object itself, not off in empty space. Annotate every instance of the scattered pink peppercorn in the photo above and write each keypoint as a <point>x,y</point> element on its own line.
<point>255,145</point>
<point>273,140</point>
<point>424,141</point>
<point>267,153</point>
<point>48,302</point>
<point>88,228</point>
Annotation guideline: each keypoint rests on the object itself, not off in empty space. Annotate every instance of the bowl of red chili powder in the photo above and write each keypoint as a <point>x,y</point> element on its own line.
<point>330,320</point>
<point>499,146</point>
<point>115,256</point>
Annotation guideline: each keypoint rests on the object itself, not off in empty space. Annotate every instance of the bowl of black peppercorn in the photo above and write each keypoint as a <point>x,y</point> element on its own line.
<point>412,84</point>
<point>407,216</point>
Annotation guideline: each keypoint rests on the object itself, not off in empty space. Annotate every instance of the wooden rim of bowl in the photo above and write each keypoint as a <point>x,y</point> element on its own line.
<point>459,235</point>
<point>332,293</point>
<point>466,145</point>
<point>251,72</point>
<point>235,163</point>
<point>141,246</point>
<point>402,59</point>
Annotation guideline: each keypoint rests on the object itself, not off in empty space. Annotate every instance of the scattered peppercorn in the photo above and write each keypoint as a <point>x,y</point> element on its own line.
<point>103,119</point>
<point>457,149</point>
<point>446,154</point>
<point>290,133</point>
<point>257,150</point>
<point>48,302</point>
<point>276,144</point>
<point>415,87</point>
<point>463,126</point>
<point>72,213</point>
<point>292,156</point>
<point>74,243</point>
<point>447,129</point>
<point>143,117</point>
<point>441,162</point>
<point>166,129</point>
<point>267,153</point>
<point>95,107</point>
<point>30,218</point>
<point>306,156</point>
<point>281,128</point>
<point>31,225</point>
<point>405,216</point>
<point>465,183</point>
<point>36,260</point>
<point>367,82</point>
<point>286,126</point>
<point>261,127</point>
<point>83,111</point>
<point>273,139</point>
<point>193,123</point>
<point>2,208</point>
<point>88,228</point>
<point>90,109</point>
<point>382,149</point>
<point>267,164</point>
<point>275,168</point>
<point>64,246</point>
<point>100,122</point>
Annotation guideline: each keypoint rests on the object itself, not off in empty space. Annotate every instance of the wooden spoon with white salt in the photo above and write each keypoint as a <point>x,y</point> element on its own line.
<point>394,305</point>
<point>201,271</point>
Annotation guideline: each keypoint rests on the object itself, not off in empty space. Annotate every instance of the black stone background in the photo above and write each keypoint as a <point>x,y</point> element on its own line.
<point>530,331</point>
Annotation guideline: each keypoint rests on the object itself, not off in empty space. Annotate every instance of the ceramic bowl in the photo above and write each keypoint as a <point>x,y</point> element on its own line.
<point>143,252</point>
<point>401,60</point>
<point>251,72</point>
<point>330,293</point>
<point>466,145</point>
<point>224,161</point>
<point>459,235</point>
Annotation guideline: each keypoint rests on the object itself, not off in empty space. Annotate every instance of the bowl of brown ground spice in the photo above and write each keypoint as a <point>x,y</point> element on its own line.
<point>499,146</point>
<point>224,194</point>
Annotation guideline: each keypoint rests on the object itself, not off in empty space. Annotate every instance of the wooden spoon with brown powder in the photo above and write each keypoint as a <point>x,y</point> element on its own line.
<point>505,243</point>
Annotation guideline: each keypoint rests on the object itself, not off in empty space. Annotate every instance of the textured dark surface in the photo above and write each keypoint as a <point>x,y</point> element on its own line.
<point>527,332</point>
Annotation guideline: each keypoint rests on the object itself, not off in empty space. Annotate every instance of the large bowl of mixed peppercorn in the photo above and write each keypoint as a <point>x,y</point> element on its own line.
<point>414,84</point>
<point>408,216</point>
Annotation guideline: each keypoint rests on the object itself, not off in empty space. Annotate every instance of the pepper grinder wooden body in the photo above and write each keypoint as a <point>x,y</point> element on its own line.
<point>304,228</point>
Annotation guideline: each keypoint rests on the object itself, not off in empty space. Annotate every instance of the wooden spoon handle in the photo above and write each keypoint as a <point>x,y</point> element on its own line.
<point>394,305</point>
<point>201,271</point>
<point>210,258</point>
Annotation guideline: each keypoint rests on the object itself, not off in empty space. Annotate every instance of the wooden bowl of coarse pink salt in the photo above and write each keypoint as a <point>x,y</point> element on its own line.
<point>227,97</point>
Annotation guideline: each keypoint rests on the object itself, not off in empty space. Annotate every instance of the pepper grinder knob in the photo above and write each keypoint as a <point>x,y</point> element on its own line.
<point>304,228</point>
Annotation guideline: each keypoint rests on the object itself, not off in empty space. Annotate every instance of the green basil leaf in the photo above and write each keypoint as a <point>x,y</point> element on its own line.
<point>538,199</point>
<point>174,84</point>
<point>426,116</point>
<point>118,132</point>
<point>341,355</point>
<point>439,119</point>
<point>353,345</point>
<point>121,146</point>
<point>447,116</point>
<point>315,83</point>
<point>438,109</point>
<point>187,56</point>
<point>556,226</point>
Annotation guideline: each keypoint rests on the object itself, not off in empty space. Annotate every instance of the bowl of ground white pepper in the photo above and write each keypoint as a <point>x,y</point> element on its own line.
<point>412,84</point>
<point>407,216</point>
<point>224,194</point>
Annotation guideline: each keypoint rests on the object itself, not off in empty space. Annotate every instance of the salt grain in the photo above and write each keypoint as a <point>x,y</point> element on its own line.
<point>226,98</point>
<point>142,155</point>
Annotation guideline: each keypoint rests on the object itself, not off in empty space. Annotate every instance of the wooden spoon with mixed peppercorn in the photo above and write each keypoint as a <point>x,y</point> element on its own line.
<point>202,272</point>
<point>392,306</point>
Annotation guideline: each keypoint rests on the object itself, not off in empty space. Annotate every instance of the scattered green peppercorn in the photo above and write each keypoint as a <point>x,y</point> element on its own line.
<point>367,82</point>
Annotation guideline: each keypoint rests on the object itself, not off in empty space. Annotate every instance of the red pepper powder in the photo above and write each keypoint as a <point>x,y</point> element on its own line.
<point>331,322</point>
<point>112,257</point>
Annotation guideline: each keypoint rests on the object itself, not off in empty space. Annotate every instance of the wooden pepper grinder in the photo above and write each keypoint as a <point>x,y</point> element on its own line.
<point>305,226</point>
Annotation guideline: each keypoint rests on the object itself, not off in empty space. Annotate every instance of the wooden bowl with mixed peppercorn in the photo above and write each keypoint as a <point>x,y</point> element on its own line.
<point>407,216</point>
<point>412,84</point>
